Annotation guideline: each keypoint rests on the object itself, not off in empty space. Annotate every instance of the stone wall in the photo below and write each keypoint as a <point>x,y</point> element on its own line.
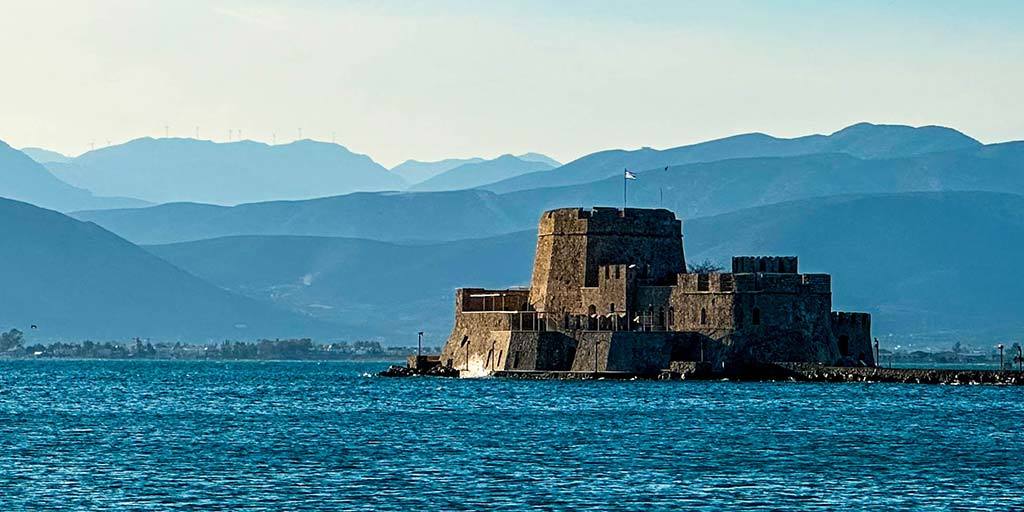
<point>642,353</point>
<point>853,336</point>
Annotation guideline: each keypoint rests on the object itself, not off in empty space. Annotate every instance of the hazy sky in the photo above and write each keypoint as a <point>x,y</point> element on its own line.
<point>437,78</point>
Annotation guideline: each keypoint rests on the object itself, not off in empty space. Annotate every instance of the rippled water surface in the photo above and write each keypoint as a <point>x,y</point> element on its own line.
<point>314,436</point>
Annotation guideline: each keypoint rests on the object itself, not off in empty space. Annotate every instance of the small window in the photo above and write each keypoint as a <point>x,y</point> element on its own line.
<point>755,317</point>
<point>703,316</point>
<point>611,307</point>
<point>607,273</point>
<point>762,266</point>
<point>671,316</point>
<point>616,271</point>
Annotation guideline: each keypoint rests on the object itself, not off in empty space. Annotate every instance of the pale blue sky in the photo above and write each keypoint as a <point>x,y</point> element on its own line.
<point>436,79</point>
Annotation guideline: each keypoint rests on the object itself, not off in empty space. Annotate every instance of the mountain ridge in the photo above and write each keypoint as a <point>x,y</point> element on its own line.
<point>854,139</point>
<point>693,190</point>
<point>22,178</point>
<point>184,169</point>
<point>475,174</point>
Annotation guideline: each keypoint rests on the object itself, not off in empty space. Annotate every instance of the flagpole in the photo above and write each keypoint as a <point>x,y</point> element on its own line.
<point>624,180</point>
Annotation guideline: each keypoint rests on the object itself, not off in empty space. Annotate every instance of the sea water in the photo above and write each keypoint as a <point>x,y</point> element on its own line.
<point>136,435</point>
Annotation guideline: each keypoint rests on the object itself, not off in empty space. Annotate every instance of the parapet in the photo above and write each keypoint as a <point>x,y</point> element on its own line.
<point>610,221</point>
<point>853,319</point>
<point>764,264</point>
<point>481,299</point>
<point>755,282</point>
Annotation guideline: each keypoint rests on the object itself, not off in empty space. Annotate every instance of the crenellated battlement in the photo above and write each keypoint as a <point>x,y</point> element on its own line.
<point>771,264</point>
<point>754,282</point>
<point>610,221</point>
<point>849,318</point>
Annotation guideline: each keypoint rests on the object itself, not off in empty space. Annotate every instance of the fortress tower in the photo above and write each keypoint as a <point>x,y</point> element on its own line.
<point>573,244</point>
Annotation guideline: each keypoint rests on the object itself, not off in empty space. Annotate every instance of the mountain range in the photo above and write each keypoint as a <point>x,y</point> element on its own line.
<point>25,179</point>
<point>863,140</point>
<point>415,171</point>
<point>506,166</point>
<point>175,169</point>
<point>691,190</point>
<point>475,174</point>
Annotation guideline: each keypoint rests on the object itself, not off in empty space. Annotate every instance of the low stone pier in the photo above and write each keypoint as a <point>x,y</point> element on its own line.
<point>809,372</point>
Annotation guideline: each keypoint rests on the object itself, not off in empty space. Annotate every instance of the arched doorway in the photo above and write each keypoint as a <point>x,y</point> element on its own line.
<point>844,345</point>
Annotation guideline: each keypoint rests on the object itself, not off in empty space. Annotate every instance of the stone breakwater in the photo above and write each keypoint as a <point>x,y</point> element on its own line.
<point>808,372</point>
<point>791,372</point>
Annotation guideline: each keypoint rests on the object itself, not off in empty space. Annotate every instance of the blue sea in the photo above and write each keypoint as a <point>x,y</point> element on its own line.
<point>149,435</point>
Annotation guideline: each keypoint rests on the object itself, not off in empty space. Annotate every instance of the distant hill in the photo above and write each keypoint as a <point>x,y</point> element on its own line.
<point>25,179</point>
<point>165,170</point>
<point>414,171</point>
<point>537,157</point>
<point>693,190</point>
<point>76,280</point>
<point>380,287</point>
<point>929,266</point>
<point>704,189</point>
<point>45,156</point>
<point>862,140</point>
<point>475,174</point>
<point>394,216</point>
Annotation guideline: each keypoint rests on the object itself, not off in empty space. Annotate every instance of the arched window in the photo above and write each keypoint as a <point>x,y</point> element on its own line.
<point>703,316</point>
<point>592,310</point>
<point>661,317</point>
<point>611,307</point>
<point>755,317</point>
<point>607,273</point>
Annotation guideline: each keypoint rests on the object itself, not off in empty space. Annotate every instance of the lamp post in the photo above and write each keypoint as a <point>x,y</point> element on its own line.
<point>1000,347</point>
<point>877,354</point>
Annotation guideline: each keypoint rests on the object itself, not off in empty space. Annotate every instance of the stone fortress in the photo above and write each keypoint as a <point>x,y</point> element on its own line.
<point>610,293</point>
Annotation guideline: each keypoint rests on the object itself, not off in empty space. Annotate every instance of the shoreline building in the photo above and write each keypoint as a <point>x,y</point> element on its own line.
<point>610,292</point>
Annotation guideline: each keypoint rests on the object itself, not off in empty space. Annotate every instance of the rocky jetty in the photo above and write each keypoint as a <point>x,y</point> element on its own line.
<point>430,371</point>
